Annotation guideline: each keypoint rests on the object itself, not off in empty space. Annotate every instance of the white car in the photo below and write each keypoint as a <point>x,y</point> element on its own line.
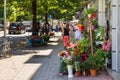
<point>27,25</point>
<point>28,28</point>
<point>1,26</point>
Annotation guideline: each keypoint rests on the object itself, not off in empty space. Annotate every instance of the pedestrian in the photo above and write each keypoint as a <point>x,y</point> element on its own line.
<point>78,34</point>
<point>72,36</point>
<point>66,36</point>
<point>62,55</point>
<point>57,28</point>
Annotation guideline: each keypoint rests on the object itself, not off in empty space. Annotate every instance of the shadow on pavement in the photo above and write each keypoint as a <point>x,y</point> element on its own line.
<point>49,68</point>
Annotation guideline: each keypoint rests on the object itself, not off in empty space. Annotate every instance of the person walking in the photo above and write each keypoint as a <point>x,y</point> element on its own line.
<point>78,34</point>
<point>66,36</point>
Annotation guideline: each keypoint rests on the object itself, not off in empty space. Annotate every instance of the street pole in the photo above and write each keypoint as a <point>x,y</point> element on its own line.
<point>4,18</point>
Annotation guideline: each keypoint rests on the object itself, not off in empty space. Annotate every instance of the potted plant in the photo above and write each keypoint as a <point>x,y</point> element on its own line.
<point>69,63</point>
<point>77,69</point>
<point>101,59</point>
<point>84,68</point>
<point>95,24</point>
<point>84,45</point>
<point>89,12</point>
<point>81,27</point>
<point>92,61</point>
<point>45,37</point>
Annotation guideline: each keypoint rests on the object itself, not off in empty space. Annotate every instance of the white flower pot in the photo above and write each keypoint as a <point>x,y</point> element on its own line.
<point>70,71</point>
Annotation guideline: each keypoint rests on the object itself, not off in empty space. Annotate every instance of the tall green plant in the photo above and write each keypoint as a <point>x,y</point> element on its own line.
<point>101,58</point>
<point>97,60</point>
<point>84,66</point>
<point>77,66</point>
<point>84,44</point>
<point>92,61</point>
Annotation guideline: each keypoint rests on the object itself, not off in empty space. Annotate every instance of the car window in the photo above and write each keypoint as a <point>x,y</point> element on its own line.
<point>13,24</point>
<point>20,24</point>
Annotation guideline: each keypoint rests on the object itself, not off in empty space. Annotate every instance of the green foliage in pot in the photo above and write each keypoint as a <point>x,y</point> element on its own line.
<point>45,37</point>
<point>77,66</point>
<point>84,66</point>
<point>84,44</point>
<point>97,60</point>
<point>92,61</point>
<point>101,58</point>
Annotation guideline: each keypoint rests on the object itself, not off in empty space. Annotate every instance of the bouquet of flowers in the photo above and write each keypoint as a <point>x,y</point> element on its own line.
<point>68,60</point>
<point>66,57</point>
<point>72,47</point>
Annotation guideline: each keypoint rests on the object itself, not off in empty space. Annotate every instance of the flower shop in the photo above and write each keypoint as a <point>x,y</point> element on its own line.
<point>92,53</point>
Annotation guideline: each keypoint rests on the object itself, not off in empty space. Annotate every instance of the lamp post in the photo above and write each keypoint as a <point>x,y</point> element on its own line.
<point>6,46</point>
<point>4,18</point>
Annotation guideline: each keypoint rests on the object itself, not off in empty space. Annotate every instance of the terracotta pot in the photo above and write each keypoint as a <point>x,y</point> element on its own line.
<point>93,72</point>
<point>77,73</point>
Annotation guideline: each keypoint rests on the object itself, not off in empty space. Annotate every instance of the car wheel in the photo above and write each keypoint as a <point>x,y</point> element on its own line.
<point>24,31</point>
<point>9,33</point>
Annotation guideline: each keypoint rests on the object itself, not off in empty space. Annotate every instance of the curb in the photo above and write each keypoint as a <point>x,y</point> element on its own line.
<point>110,73</point>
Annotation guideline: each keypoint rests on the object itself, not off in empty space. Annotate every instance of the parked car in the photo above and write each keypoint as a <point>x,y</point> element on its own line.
<point>27,25</point>
<point>28,28</point>
<point>1,27</point>
<point>16,28</point>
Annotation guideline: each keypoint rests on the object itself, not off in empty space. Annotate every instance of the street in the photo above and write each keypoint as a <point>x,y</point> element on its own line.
<point>14,36</point>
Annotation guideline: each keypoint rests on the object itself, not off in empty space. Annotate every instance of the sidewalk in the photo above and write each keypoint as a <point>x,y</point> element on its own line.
<point>38,63</point>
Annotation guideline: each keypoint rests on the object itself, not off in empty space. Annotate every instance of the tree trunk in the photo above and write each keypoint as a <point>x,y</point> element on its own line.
<point>34,25</point>
<point>46,15</point>
<point>46,20</point>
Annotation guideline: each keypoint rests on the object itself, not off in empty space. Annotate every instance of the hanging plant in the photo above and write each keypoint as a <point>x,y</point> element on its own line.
<point>95,24</point>
<point>89,12</point>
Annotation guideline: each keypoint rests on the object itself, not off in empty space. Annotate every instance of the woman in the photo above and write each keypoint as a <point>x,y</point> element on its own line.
<point>66,36</point>
<point>78,36</point>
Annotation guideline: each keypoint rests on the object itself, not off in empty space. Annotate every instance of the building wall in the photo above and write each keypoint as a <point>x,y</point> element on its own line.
<point>115,35</point>
<point>101,12</point>
<point>113,15</point>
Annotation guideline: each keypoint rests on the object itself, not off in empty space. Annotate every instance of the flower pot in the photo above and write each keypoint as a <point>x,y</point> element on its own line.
<point>77,73</point>
<point>70,71</point>
<point>81,27</point>
<point>93,73</point>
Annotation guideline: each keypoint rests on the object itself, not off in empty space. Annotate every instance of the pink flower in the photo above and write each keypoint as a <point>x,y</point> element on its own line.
<point>106,46</point>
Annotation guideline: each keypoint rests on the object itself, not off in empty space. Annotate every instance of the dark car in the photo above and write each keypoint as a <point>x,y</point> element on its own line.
<point>16,28</point>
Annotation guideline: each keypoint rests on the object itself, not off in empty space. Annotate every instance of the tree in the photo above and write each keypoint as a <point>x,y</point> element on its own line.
<point>18,10</point>
<point>34,23</point>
